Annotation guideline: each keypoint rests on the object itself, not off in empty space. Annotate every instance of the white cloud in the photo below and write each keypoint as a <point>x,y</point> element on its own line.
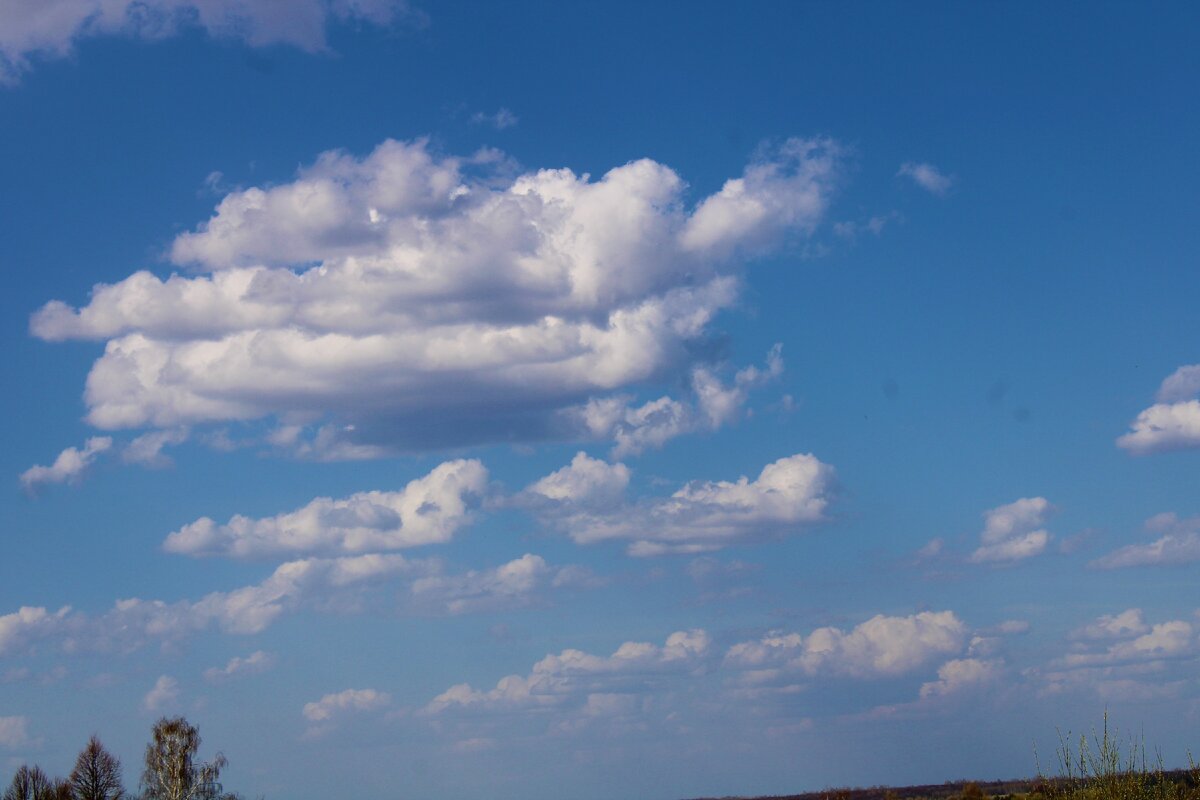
<point>50,28</point>
<point>1179,543</point>
<point>1173,422</point>
<point>322,583</point>
<point>428,510</point>
<point>1135,641</point>
<point>164,694</point>
<point>147,448</point>
<point>1182,384</point>
<point>927,176</point>
<point>1163,427</point>
<point>1127,624</point>
<point>345,702</point>
<point>14,731</point>
<point>652,424</point>
<point>510,585</point>
<point>881,646</point>
<point>503,118</point>
<point>1014,532</point>
<point>411,300</point>
<point>345,584</point>
<point>29,623</point>
<point>69,466</point>
<point>584,501</point>
<point>579,680</point>
<point>257,662</point>
<point>961,674</point>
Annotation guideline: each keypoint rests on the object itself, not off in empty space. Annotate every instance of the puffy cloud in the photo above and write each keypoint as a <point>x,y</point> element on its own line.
<point>1136,642</point>
<point>29,623</point>
<point>927,176</point>
<point>787,188</point>
<point>1014,532</point>
<point>581,681</point>
<point>881,646</point>
<point>257,662</point>
<point>652,424</point>
<point>164,694</point>
<point>14,731</point>
<point>69,466</point>
<point>510,585</point>
<point>131,622</point>
<point>583,500</point>
<point>960,674</point>
<point>147,448</point>
<point>1163,427</point>
<point>428,510</point>
<point>1122,657</point>
<point>1114,626</point>
<point>1179,543</point>
<point>345,702</point>
<point>344,584</point>
<point>1173,422</point>
<point>50,28</point>
<point>585,482</point>
<point>412,300</point>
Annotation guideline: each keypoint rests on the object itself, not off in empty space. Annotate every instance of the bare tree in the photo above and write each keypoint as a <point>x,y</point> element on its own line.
<point>59,789</point>
<point>30,783</point>
<point>97,774</point>
<point>172,773</point>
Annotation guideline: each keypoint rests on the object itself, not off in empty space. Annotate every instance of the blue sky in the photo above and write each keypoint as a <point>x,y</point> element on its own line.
<point>467,398</point>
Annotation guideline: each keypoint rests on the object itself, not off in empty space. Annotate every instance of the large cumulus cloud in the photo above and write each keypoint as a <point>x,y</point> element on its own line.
<point>409,299</point>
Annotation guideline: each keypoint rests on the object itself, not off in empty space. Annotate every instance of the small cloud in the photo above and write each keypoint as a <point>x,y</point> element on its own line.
<point>500,120</point>
<point>14,731</point>
<point>68,467</point>
<point>931,549</point>
<point>1127,624</point>
<point>348,701</point>
<point>927,176</point>
<point>476,745</point>
<point>147,448</point>
<point>1014,532</point>
<point>253,664</point>
<point>164,693</point>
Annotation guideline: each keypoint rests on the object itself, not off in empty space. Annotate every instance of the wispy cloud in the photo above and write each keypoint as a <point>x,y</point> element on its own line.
<point>50,28</point>
<point>927,176</point>
<point>69,466</point>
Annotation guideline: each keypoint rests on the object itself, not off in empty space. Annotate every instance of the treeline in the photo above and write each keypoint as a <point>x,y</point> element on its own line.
<point>171,772</point>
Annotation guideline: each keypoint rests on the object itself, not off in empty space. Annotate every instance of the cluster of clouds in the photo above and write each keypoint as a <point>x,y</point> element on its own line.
<point>1177,542</point>
<point>580,678</point>
<point>644,684</point>
<point>880,646</point>
<point>342,584</point>
<point>586,500</point>
<point>1123,657</point>
<point>50,28</point>
<point>410,299</point>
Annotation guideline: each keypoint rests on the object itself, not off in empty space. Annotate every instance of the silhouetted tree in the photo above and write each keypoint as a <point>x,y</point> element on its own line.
<point>59,789</point>
<point>30,783</point>
<point>97,774</point>
<point>171,770</point>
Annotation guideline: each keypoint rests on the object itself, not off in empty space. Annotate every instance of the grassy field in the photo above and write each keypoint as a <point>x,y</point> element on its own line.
<point>1100,767</point>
